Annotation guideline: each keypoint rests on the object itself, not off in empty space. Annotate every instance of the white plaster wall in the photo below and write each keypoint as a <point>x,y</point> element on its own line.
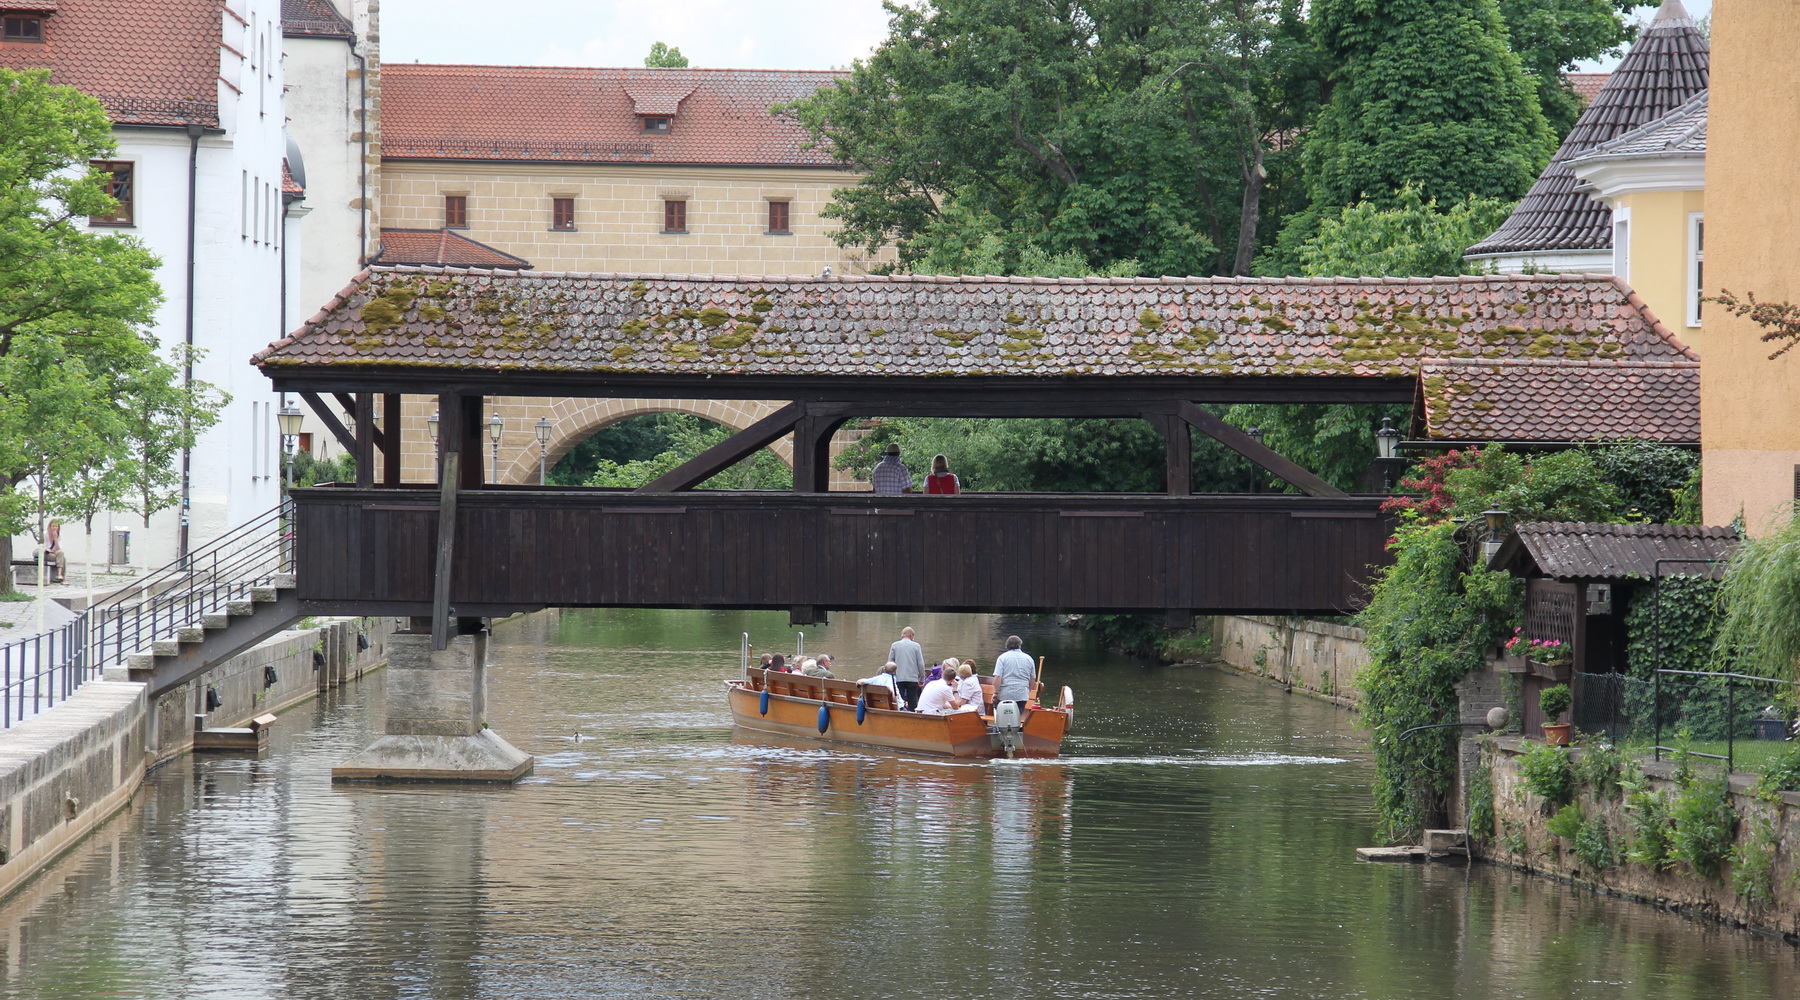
<point>323,101</point>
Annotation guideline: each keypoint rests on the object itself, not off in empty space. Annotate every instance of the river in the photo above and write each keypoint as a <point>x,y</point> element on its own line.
<point>1196,840</point>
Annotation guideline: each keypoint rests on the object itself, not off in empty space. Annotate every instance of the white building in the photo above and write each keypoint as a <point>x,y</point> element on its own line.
<point>195,92</point>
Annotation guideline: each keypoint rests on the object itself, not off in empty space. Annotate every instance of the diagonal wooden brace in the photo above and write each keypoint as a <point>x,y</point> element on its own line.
<point>330,420</point>
<point>1203,421</point>
<point>728,452</point>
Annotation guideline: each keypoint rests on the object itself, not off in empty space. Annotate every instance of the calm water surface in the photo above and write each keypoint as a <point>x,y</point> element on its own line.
<point>1196,841</point>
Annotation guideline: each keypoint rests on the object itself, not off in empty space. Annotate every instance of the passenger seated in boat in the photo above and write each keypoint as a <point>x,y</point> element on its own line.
<point>778,664</point>
<point>968,687</point>
<point>767,662</point>
<point>939,698</point>
<point>885,678</point>
<point>820,667</point>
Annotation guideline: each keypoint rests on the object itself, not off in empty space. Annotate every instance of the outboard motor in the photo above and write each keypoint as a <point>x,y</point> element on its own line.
<point>1009,725</point>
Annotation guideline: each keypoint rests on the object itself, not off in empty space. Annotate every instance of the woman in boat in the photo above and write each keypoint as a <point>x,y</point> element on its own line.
<point>968,687</point>
<point>942,480</point>
<point>778,663</point>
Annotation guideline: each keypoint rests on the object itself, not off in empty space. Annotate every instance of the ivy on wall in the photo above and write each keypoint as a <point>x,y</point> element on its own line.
<point>1672,624</point>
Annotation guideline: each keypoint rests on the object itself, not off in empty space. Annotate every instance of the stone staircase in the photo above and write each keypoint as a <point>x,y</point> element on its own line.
<point>194,649</point>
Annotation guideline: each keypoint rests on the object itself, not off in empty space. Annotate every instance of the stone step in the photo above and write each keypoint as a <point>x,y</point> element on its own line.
<point>191,633</point>
<point>282,581</point>
<point>216,620</point>
<point>262,595</point>
<point>140,661</point>
<point>166,647</point>
<point>1447,843</point>
<point>241,609</point>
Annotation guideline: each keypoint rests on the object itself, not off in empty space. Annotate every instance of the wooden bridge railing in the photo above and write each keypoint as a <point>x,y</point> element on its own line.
<point>372,551</point>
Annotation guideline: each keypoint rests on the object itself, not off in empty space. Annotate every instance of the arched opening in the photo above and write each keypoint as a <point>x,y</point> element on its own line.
<point>632,451</point>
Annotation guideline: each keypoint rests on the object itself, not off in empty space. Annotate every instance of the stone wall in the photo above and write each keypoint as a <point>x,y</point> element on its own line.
<point>1311,657</point>
<point>64,772</point>
<point>280,672</point>
<point>1522,840</point>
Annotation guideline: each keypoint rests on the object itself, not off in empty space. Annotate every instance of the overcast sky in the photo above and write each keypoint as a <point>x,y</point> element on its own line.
<point>743,34</point>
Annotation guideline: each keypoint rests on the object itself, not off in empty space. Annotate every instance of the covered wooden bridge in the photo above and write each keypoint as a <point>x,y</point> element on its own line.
<point>1459,349</point>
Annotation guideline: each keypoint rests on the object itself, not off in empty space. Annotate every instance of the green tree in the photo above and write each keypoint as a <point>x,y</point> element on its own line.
<point>1426,94</point>
<point>1411,236</point>
<point>1551,36</point>
<point>1112,128</point>
<point>665,57</point>
<point>73,304</point>
<point>688,436</point>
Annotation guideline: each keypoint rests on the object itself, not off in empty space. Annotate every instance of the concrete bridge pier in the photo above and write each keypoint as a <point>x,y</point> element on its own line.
<point>436,704</point>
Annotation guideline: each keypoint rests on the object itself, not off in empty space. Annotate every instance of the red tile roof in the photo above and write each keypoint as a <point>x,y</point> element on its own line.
<point>443,248</point>
<point>913,326</point>
<point>288,184</point>
<point>1666,66</point>
<point>721,116</point>
<point>314,19</point>
<point>1572,550</point>
<point>1528,400</point>
<point>1586,85</point>
<point>150,62</point>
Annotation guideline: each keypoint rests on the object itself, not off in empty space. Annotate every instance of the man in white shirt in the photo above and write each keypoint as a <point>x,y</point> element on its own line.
<point>939,698</point>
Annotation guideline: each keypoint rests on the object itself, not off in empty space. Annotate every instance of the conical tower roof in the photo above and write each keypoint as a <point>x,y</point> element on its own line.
<point>1666,67</point>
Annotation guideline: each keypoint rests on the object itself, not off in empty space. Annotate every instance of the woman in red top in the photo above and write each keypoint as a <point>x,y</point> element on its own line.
<point>941,480</point>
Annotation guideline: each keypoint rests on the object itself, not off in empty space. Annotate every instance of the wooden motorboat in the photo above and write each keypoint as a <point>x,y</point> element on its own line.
<point>841,711</point>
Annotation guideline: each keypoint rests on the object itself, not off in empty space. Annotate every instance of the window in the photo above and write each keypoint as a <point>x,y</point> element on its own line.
<point>118,181</point>
<point>23,29</point>
<point>456,211</point>
<point>674,216</point>
<point>1696,266</point>
<point>562,213</point>
<point>656,123</point>
<point>778,217</point>
<point>1622,243</point>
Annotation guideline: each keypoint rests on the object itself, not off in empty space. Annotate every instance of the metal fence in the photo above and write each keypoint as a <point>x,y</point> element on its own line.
<point>39,671</point>
<point>1714,710</point>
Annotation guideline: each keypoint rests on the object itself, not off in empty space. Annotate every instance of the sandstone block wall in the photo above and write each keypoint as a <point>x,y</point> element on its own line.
<point>1316,658</point>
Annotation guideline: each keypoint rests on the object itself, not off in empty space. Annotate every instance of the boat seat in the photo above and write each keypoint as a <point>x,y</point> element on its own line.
<point>840,692</point>
<point>879,696</point>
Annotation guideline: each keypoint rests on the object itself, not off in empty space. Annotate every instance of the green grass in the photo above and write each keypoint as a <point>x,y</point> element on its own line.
<point>15,596</point>
<point>1747,754</point>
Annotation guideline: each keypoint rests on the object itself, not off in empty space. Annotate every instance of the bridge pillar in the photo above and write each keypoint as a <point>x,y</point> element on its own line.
<point>436,704</point>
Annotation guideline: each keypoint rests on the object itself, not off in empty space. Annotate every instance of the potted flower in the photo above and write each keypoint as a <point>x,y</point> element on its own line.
<point>1555,700</point>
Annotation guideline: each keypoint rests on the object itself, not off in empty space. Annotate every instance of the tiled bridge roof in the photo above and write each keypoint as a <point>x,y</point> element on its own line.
<point>1590,329</point>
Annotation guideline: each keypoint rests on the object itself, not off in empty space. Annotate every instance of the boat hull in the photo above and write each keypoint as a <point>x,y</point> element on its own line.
<point>962,735</point>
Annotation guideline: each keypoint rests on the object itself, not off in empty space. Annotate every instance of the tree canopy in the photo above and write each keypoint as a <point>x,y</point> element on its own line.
<point>665,57</point>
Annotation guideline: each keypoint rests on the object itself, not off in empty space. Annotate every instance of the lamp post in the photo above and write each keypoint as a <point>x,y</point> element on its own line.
<point>1387,450</point>
<point>495,427</point>
<point>1496,523</point>
<point>287,420</point>
<point>543,436</point>
<point>431,424</point>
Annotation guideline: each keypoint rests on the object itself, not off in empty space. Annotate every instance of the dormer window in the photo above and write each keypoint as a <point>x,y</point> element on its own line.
<point>22,28</point>
<point>656,123</point>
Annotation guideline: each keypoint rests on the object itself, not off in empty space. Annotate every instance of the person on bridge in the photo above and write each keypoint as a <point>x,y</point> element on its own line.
<point>890,475</point>
<point>1015,674</point>
<point>910,661</point>
<point>942,481</point>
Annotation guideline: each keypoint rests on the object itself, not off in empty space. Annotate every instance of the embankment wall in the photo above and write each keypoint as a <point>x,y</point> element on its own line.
<point>1522,839</point>
<point>67,771</point>
<point>1315,658</point>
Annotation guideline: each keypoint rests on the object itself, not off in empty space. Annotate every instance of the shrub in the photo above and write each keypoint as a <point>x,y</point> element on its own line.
<point>1547,774</point>
<point>1555,700</point>
<point>1566,824</point>
<point>1650,832</point>
<point>1593,846</point>
<point>1481,800</point>
<point>1600,767</point>
<point>1705,824</point>
<point>1781,774</point>
<point>1753,866</point>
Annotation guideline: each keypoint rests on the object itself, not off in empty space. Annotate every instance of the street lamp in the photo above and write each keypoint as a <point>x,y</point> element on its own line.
<point>287,420</point>
<point>543,436</point>
<point>495,427</point>
<point>1387,451</point>
<point>431,423</point>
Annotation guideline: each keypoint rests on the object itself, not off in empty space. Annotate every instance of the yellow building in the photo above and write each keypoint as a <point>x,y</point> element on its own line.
<point>1750,404</point>
<point>1653,179</point>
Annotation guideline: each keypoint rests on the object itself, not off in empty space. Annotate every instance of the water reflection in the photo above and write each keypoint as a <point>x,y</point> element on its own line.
<point>1195,840</point>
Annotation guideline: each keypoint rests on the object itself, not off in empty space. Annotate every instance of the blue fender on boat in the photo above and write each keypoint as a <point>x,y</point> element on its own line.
<point>824,717</point>
<point>862,709</point>
<point>762,706</point>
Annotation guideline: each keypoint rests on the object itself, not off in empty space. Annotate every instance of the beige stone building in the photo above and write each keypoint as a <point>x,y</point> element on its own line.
<point>640,171</point>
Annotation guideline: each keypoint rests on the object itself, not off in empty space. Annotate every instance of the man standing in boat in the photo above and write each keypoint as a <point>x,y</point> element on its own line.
<point>909,661</point>
<point>1015,674</point>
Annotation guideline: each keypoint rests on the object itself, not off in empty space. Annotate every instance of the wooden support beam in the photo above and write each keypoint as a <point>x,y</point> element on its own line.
<point>474,444</point>
<point>390,446</point>
<point>812,451</point>
<point>728,452</point>
<point>348,402</point>
<point>365,440</point>
<point>446,553</point>
<point>1229,436</point>
<point>1179,452</point>
<point>330,420</point>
